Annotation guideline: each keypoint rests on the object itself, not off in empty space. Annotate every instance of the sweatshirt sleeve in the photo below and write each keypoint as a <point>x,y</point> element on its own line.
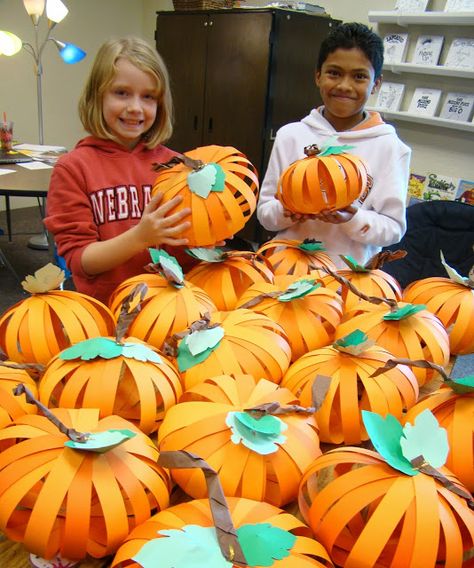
<point>382,219</point>
<point>69,216</point>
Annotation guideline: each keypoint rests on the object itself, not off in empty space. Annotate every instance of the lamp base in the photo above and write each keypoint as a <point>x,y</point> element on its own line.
<point>38,242</point>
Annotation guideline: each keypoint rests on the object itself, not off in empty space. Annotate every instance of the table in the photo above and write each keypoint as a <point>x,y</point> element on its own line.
<point>23,183</point>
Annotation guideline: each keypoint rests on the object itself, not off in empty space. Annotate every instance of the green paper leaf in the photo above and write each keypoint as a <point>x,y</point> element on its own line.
<point>260,438</point>
<point>311,245</point>
<point>91,349</point>
<point>353,264</point>
<point>140,352</point>
<point>219,184</point>
<point>102,441</point>
<point>207,254</point>
<point>385,434</point>
<point>262,543</point>
<point>204,339</point>
<point>170,266</point>
<point>354,338</point>
<point>191,546</point>
<point>425,438</point>
<point>298,290</point>
<point>452,273</point>
<point>201,181</point>
<point>404,312</point>
<point>462,385</point>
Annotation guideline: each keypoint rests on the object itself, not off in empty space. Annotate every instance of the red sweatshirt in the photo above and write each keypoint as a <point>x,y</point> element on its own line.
<point>98,191</point>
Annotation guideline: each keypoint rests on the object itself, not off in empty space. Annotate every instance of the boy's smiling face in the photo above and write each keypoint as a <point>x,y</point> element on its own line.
<point>346,80</point>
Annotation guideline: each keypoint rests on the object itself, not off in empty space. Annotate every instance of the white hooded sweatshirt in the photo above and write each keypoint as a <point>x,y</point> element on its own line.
<point>380,218</point>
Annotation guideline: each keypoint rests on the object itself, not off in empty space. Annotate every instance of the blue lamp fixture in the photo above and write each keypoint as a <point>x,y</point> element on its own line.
<point>10,44</point>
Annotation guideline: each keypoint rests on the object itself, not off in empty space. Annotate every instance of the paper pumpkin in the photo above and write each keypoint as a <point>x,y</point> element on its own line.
<point>246,342</point>
<point>454,412</point>
<point>12,407</point>
<point>329,178</point>
<point>219,184</point>
<point>453,303</point>
<point>35,329</point>
<point>308,312</point>
<point>227,277</point>
<point>305,552</point>
<point>409,331</point>
<point>132,380</point>
<point>288,256</point>
<point>368,513</point>
<point>55,498</point>
<point>257,457</point>
<point>350,364</point>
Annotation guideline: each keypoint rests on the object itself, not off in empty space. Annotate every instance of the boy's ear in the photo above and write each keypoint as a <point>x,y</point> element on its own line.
<point>377,84</point>
<point>317,76</point>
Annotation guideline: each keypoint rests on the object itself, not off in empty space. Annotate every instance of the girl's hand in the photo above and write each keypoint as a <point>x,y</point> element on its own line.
<point>160,227</point>
<point>337,217</point>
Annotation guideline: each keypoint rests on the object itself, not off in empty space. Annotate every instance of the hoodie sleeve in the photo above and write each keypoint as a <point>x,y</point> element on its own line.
<point>381,220</point>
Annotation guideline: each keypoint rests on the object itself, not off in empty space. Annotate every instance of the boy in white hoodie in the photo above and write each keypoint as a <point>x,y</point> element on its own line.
<point>348,71</point>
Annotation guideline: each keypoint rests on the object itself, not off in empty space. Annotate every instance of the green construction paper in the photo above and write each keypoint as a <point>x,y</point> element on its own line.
<point>334,150</point>
<point>260,438</point>
<point>263,543</point>
<point>353,264</point>
<point>91,349</point>
<point>182,548</point>
<point>102,441</point>
<point>452,273</point>
<point>311,246</point>
<point>354,338</point>
<point>170,266</point>
<point>463,385</point>
<point>404,312</point>
<point>298,289</point>
<point>140,352</point>
<point>201,181</point>
<point>219,184</point>
<point>200,341</point>
<point>425,438</point>
<point>385,434</point>
<point>207,254</point>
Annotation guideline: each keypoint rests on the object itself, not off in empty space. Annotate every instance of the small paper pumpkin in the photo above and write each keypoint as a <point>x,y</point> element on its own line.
<point>225,532</point>
<point>170,304</point>
<point>56,498</point>
<point>350,363</point>
<point>308,312</point>
<point>398,507</point>
<point>12,407</point>
<point>40,326</point>
<point>453,407</point>
<point>405,330</point>
<point>329,178</point>
<point>256,454</point>
<point>239,341</point>
<point>295,257</point>
<point>218,183</point>
<point>452,301</point>
<point>226,277</point>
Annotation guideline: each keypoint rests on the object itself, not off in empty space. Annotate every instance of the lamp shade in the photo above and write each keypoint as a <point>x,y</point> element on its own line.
<point>69,52</point>
<point>9,43</point>
<point>34,7</point>
<point>56,11</point>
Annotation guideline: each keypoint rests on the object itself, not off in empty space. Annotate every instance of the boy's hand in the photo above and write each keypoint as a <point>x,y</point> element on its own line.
<point>295,217</point>
<point>160,227</point>
<point>337,216</point>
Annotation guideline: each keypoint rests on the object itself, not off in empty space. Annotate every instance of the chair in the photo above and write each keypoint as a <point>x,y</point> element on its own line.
<point>434,226</point>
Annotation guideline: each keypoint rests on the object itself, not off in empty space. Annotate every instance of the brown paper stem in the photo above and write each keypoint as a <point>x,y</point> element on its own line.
<point>422,364</point>
<point>179,159</point>
<point>275,409</point>
<point>319,390</point>
<point>72,434</point>
<point>254,301</point>
<point>126,317</point>
<point>379,259</point>
<point>170,346</point>
<point>38,368</point>
<point>420,464</point>
<point>226,533</point>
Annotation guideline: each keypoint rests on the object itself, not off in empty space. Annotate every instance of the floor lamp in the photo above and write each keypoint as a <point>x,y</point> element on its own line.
<point>10,44</point>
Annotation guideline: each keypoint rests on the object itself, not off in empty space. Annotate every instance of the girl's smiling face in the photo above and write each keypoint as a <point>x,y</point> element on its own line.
<point>130,103</point>
<point>346,80</point>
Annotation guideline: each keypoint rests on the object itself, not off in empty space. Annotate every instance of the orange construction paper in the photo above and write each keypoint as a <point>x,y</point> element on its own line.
<point>11,406</point>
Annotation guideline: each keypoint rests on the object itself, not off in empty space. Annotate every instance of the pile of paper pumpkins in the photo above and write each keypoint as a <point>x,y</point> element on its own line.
<point>297,383</point>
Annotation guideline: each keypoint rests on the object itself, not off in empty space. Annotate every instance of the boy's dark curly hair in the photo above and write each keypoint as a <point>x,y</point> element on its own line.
<point>350,35</point>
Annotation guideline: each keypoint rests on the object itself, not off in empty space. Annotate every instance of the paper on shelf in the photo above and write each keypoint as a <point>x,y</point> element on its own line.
<point>35,165</point>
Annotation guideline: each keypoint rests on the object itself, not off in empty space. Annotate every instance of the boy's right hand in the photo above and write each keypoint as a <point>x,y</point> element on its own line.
<point>160,227</point>
<point>298,217</point>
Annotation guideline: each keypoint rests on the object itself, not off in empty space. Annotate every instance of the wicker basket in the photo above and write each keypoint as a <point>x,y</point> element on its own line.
<point>202,4</point>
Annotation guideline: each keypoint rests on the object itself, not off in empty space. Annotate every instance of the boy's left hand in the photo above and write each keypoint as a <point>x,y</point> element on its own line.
<point>337,216</point>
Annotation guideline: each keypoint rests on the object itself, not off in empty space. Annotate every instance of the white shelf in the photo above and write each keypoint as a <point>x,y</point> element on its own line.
<point>431,120</point>
<point>439,70</point>
<point>428,18</point>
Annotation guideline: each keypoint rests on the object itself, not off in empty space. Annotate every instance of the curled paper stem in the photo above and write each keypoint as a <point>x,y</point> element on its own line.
<point>226,532</point>
<point>38,368</point>
<point>319,390</point>
<point>274,409</point>
<point>126,317</point>
<point>372,299</point>
<point>420,464</point>
<point>72,434</point>
<point>170,346</point>
<point>190,163</point>
<point>379,259</point>
<point>422,364</point>
<point>254,301</point>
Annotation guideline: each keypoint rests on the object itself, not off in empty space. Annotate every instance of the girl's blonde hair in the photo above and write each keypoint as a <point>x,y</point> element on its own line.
<point>140,54</point>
